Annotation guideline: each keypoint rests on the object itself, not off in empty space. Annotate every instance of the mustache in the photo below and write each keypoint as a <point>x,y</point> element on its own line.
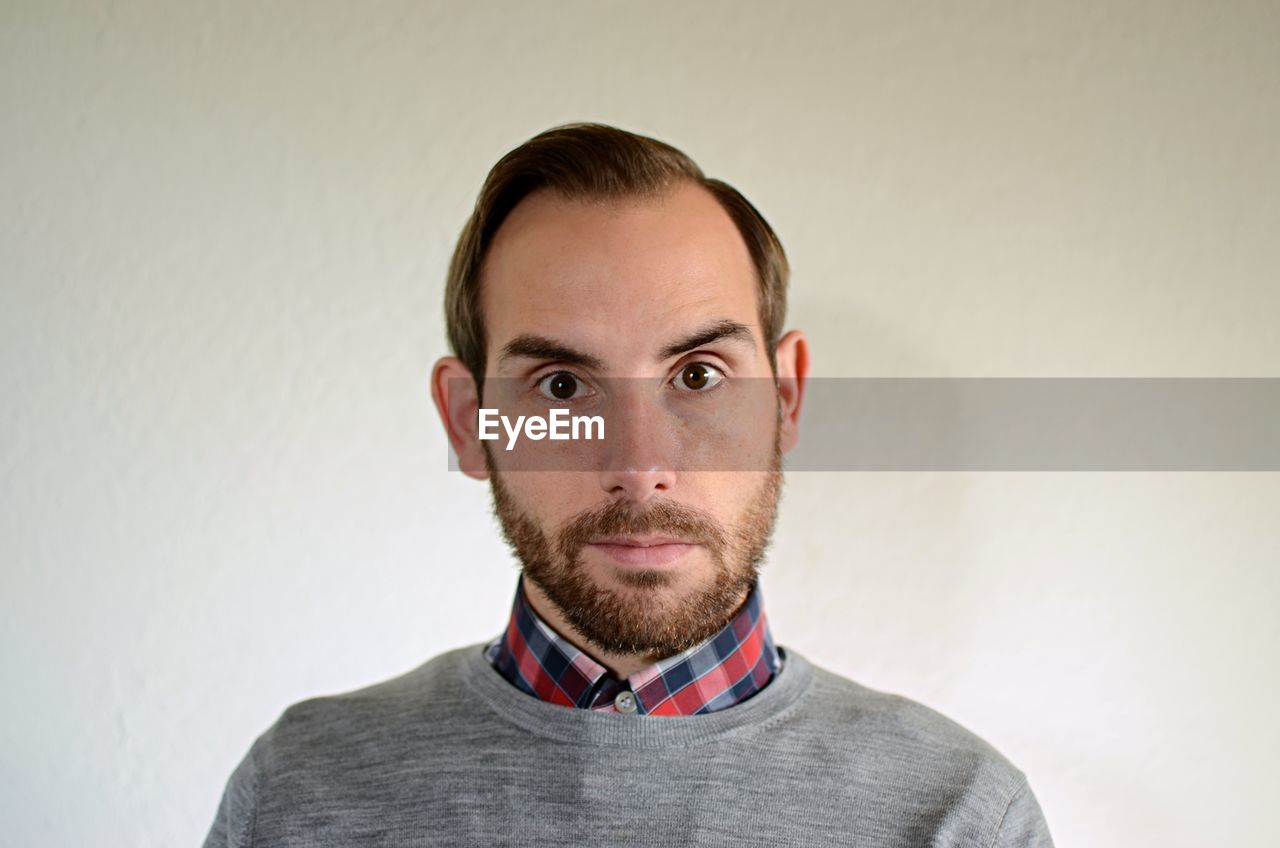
<point>621,518</point>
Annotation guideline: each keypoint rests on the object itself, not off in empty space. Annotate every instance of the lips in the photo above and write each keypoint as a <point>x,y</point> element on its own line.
<point>643,551</point>
<point>640,541</point>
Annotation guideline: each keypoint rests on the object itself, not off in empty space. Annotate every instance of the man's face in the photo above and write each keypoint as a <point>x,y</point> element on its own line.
<point>644,310</point>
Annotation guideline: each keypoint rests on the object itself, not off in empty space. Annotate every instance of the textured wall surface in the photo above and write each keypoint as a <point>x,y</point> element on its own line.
<point>223,235</point>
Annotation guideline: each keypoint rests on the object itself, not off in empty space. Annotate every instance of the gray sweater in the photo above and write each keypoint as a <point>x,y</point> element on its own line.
<point>452,754</point>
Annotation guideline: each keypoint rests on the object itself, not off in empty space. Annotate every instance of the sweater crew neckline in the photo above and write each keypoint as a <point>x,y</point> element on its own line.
<point>589,727</point>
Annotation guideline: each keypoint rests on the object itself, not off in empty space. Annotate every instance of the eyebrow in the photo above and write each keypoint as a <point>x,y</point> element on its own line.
<point>531,346</point>
<point>719,331</point>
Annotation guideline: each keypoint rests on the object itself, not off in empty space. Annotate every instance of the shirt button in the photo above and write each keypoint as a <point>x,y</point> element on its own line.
<point>625,702</point>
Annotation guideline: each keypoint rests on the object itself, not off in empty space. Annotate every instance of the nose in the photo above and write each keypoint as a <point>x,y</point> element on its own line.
<point>637,484</point>
<point>638,451</point>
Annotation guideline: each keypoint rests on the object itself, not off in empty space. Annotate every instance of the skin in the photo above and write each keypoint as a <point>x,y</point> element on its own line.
<point>622,282</point>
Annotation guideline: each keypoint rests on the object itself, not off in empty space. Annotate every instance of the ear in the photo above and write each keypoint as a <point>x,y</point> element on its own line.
<point>793,369</point>
<point>458,402</point>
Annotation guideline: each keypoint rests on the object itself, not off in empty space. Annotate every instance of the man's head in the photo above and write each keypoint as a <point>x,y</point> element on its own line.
<point>595,164</point>
<point>602,272</point>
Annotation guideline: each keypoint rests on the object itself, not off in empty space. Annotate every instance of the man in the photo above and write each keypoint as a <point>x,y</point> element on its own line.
<point>636,695</point>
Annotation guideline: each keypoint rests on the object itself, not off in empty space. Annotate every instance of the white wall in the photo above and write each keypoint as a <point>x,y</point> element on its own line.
<point>223,234</point>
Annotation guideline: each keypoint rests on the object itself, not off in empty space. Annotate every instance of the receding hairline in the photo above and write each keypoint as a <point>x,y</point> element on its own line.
<point>645,196</point>
<point>660,196</point>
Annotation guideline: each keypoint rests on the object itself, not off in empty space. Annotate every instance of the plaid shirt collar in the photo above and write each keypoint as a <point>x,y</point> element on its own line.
<point>728,668</point>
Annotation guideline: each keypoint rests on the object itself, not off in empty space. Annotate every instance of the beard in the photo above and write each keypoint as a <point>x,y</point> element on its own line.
<point>641,619</point>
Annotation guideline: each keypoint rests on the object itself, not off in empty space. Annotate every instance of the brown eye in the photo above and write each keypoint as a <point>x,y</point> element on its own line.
<point>559,386</point>
<point>698,377</point>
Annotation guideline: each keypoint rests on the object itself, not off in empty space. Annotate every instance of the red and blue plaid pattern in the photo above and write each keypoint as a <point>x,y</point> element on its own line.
<point>728,668</point>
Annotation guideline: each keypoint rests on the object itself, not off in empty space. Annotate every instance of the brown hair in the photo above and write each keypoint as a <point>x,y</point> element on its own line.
<point>595,162</point>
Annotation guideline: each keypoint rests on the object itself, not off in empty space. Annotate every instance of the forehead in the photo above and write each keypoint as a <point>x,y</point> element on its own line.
<point>619,277</point>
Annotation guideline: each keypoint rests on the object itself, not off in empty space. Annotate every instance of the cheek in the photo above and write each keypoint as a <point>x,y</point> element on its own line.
<point>721,495</point>
<point>551,497</point>
<point>734,431</point>
<point>745,499</point>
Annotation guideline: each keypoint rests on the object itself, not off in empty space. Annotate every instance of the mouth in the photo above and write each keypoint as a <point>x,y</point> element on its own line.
<point>643,551</point>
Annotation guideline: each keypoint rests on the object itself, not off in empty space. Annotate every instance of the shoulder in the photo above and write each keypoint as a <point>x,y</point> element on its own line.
<point>337,751</point>
<point>893,740</point>
<point>350,726</point>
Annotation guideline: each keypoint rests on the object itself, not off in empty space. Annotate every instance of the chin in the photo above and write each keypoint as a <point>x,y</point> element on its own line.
<point>662,582</point>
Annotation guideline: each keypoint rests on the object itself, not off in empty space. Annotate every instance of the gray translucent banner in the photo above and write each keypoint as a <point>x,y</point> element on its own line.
<point>907,424</point>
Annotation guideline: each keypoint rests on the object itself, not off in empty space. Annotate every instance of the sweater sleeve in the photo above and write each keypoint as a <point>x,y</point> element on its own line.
<point>233,824</point>
<point>1023,825</point>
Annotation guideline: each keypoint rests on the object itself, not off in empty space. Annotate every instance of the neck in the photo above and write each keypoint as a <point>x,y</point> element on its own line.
<point>621,665</point>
